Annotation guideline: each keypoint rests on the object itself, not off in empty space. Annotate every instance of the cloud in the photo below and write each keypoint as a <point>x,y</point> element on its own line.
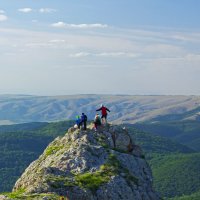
<point>59,25</point>
<point>25,10</point>
<point>47,10</point>
<point>78,26</point>
<point>41,44</point>
<point>57,41</point>
<point>2,12</point>
<point>3,18</point>
<point>80,54</point>
<point>152,61</point>
<point>104,54</point>
<point>118,54</point>
<point>34,21</point>
<point>86,25</point>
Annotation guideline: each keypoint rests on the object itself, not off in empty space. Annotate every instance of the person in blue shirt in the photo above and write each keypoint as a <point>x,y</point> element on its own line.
<point>78,121</point>
<point>84,121</point>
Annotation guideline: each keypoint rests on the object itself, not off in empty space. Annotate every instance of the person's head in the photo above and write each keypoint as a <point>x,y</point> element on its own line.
<point>101,105</point>
<point>82,113</point>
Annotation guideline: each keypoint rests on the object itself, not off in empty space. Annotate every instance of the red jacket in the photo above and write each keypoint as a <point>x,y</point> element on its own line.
<point>103,110</point>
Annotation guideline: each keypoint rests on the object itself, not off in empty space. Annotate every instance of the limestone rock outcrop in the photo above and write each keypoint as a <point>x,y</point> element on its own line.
<point>91,165</point>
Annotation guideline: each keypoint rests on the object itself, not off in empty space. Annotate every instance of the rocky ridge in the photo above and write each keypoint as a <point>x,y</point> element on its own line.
<point>89,165</point>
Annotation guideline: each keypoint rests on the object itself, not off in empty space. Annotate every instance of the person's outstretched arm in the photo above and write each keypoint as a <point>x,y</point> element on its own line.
<point>107,109</point>
<point>98,109</point>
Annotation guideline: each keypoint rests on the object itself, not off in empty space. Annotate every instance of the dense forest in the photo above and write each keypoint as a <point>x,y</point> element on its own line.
<point>21,144</point>
<point>185,132</point>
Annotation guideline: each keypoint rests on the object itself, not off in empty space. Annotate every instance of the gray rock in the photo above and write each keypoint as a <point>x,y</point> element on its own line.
<point>91,165</point>
<point>2,197</point>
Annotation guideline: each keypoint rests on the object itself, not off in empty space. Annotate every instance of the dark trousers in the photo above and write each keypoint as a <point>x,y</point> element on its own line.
<point>84,125</point>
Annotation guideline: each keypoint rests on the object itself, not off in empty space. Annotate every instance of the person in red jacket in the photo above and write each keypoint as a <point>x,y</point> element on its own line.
<point>104,114</point>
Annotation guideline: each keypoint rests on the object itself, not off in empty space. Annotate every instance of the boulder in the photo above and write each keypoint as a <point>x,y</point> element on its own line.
<point>91,165</point>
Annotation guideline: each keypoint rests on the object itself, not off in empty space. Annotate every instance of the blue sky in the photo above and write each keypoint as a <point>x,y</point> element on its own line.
<point>110,46</point>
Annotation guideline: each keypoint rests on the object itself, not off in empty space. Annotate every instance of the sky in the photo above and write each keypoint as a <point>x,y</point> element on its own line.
<point>135,47</point>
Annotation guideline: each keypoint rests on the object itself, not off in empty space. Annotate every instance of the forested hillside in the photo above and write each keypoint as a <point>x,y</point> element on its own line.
<point>158,144</point>
<point>23,143</point>
<point>194,196</point>
<point>176,174</point>
<point>175,166</point>
<point>186,132</point>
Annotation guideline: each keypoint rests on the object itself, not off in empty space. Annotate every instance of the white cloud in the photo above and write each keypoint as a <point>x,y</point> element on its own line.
<point>3,18</point>
<point>118,54</point>
<point>25,10</point>
<point>2,12</point>
<point>38,44</point>
<point>80,54</point>
<point>59,25</point>
<point>86,26</point>
<point>79,26</point>
<point>104,54</point>
<point>57,41</point>
<point>47,10</point>
<point>153,62</point>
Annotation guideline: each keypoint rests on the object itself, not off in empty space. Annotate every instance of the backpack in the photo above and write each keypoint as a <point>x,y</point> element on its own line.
<point>97,120</point>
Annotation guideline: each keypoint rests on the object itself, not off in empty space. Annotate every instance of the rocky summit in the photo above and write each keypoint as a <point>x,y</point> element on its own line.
<point>89,165</point>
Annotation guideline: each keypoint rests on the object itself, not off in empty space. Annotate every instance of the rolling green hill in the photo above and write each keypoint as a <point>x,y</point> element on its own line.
<point>157,144</point>
<point>184,132</point>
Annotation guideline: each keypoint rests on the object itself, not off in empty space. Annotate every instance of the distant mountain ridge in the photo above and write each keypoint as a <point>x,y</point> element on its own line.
<point>124,108</point>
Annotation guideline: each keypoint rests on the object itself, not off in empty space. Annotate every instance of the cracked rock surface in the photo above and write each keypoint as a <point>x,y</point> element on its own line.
<point>91,165</point>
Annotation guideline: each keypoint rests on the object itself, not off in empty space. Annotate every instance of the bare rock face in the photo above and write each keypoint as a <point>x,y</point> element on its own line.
<point>91,165</point>
<point>3,197</point>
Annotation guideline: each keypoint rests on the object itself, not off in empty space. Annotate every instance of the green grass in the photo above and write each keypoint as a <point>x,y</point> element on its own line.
<point>92,181</point>
<point>15,195</point>
<point>21,196</point>
<point>53,149</point>
<point>60,181</point>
